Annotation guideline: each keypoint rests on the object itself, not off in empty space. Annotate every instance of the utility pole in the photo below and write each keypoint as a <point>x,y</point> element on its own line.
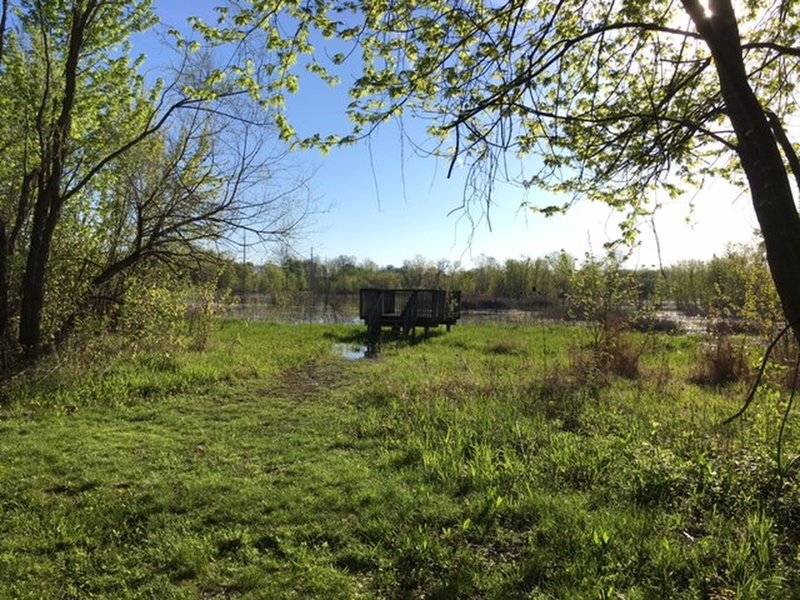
<point>244,262</point>
<point>311,275</point>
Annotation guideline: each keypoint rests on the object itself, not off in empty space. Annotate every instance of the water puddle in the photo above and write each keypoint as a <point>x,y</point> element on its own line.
<point>352,351</point>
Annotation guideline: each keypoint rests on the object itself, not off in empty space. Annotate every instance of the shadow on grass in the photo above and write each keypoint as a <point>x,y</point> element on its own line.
<point>360,339</point>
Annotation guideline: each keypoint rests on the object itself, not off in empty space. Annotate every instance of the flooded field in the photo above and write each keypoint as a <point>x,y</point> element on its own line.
<point>345,311</point>
<point>321,312</point>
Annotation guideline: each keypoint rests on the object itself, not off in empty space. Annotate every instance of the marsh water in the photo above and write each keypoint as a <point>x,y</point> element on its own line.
<point>344,310</point>
<point>351,351</point>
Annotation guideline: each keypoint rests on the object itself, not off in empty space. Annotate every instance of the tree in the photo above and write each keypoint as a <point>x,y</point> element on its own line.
<point>615,99</point>
<point>738,288</point>
<point>519,281</point>
<point>49,100</point>
<point>190,189</point>
<point>102,173</point>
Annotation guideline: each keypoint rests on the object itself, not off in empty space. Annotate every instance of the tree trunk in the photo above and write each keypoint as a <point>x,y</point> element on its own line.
<point>5,316</point>
<point>49,199</point>
<point>46,214</point>
<point>758,153</point>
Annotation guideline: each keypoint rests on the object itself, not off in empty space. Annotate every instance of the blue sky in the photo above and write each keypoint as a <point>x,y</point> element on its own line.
<point>388,205</point>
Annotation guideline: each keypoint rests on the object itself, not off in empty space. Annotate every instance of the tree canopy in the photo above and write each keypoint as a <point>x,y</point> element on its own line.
<point>613,99</point>
<point>106,174</point>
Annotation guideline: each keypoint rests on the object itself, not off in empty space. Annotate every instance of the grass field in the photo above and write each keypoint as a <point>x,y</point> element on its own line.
<point>490,462</point>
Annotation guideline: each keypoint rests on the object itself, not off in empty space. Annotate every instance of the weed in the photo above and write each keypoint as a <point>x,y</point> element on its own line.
<point>560,397</point>
<point>623,356</point>
<point>504,347</point>
<point>720,362</point>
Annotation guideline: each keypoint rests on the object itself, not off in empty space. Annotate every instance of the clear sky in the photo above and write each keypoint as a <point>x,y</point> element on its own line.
<point>388,205</point>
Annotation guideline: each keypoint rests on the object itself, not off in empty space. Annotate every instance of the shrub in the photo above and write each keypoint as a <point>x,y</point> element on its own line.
<point>720,363</point>
<point>623,357</point>
<point>608,298</point>
<point>204,305</point>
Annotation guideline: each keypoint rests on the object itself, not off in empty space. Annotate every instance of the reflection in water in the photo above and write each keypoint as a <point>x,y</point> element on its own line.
<point>344,310</point>
<point>255,308</point>
<point>352,351</point>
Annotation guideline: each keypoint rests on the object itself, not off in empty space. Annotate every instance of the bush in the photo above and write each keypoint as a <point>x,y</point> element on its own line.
<point>623,357</point>
<point>720,363</point>
<point>606,297</point>
<point>204,305</point>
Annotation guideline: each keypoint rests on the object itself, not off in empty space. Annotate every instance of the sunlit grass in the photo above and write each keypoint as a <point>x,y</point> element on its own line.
<point>483,463</point>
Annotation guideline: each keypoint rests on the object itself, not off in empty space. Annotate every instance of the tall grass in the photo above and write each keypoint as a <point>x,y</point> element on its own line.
<point>484,463</point>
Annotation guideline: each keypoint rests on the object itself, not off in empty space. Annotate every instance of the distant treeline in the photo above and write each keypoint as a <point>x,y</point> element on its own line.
<point>727,285</point>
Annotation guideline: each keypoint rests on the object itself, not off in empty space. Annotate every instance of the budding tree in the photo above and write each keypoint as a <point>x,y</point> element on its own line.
<point>601,100</point>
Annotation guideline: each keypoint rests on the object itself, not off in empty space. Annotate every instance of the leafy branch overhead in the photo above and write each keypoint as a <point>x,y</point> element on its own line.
<point>588,99</point>
<point>619,95</point>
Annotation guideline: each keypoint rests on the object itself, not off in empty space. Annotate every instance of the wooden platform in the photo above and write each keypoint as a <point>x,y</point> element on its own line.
<point>406,309</point>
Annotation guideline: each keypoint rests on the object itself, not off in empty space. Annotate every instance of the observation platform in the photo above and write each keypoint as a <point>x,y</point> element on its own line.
<point>406,309</point>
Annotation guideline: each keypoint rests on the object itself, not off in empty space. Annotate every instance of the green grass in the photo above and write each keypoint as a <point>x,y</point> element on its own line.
<point>483,463</point>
